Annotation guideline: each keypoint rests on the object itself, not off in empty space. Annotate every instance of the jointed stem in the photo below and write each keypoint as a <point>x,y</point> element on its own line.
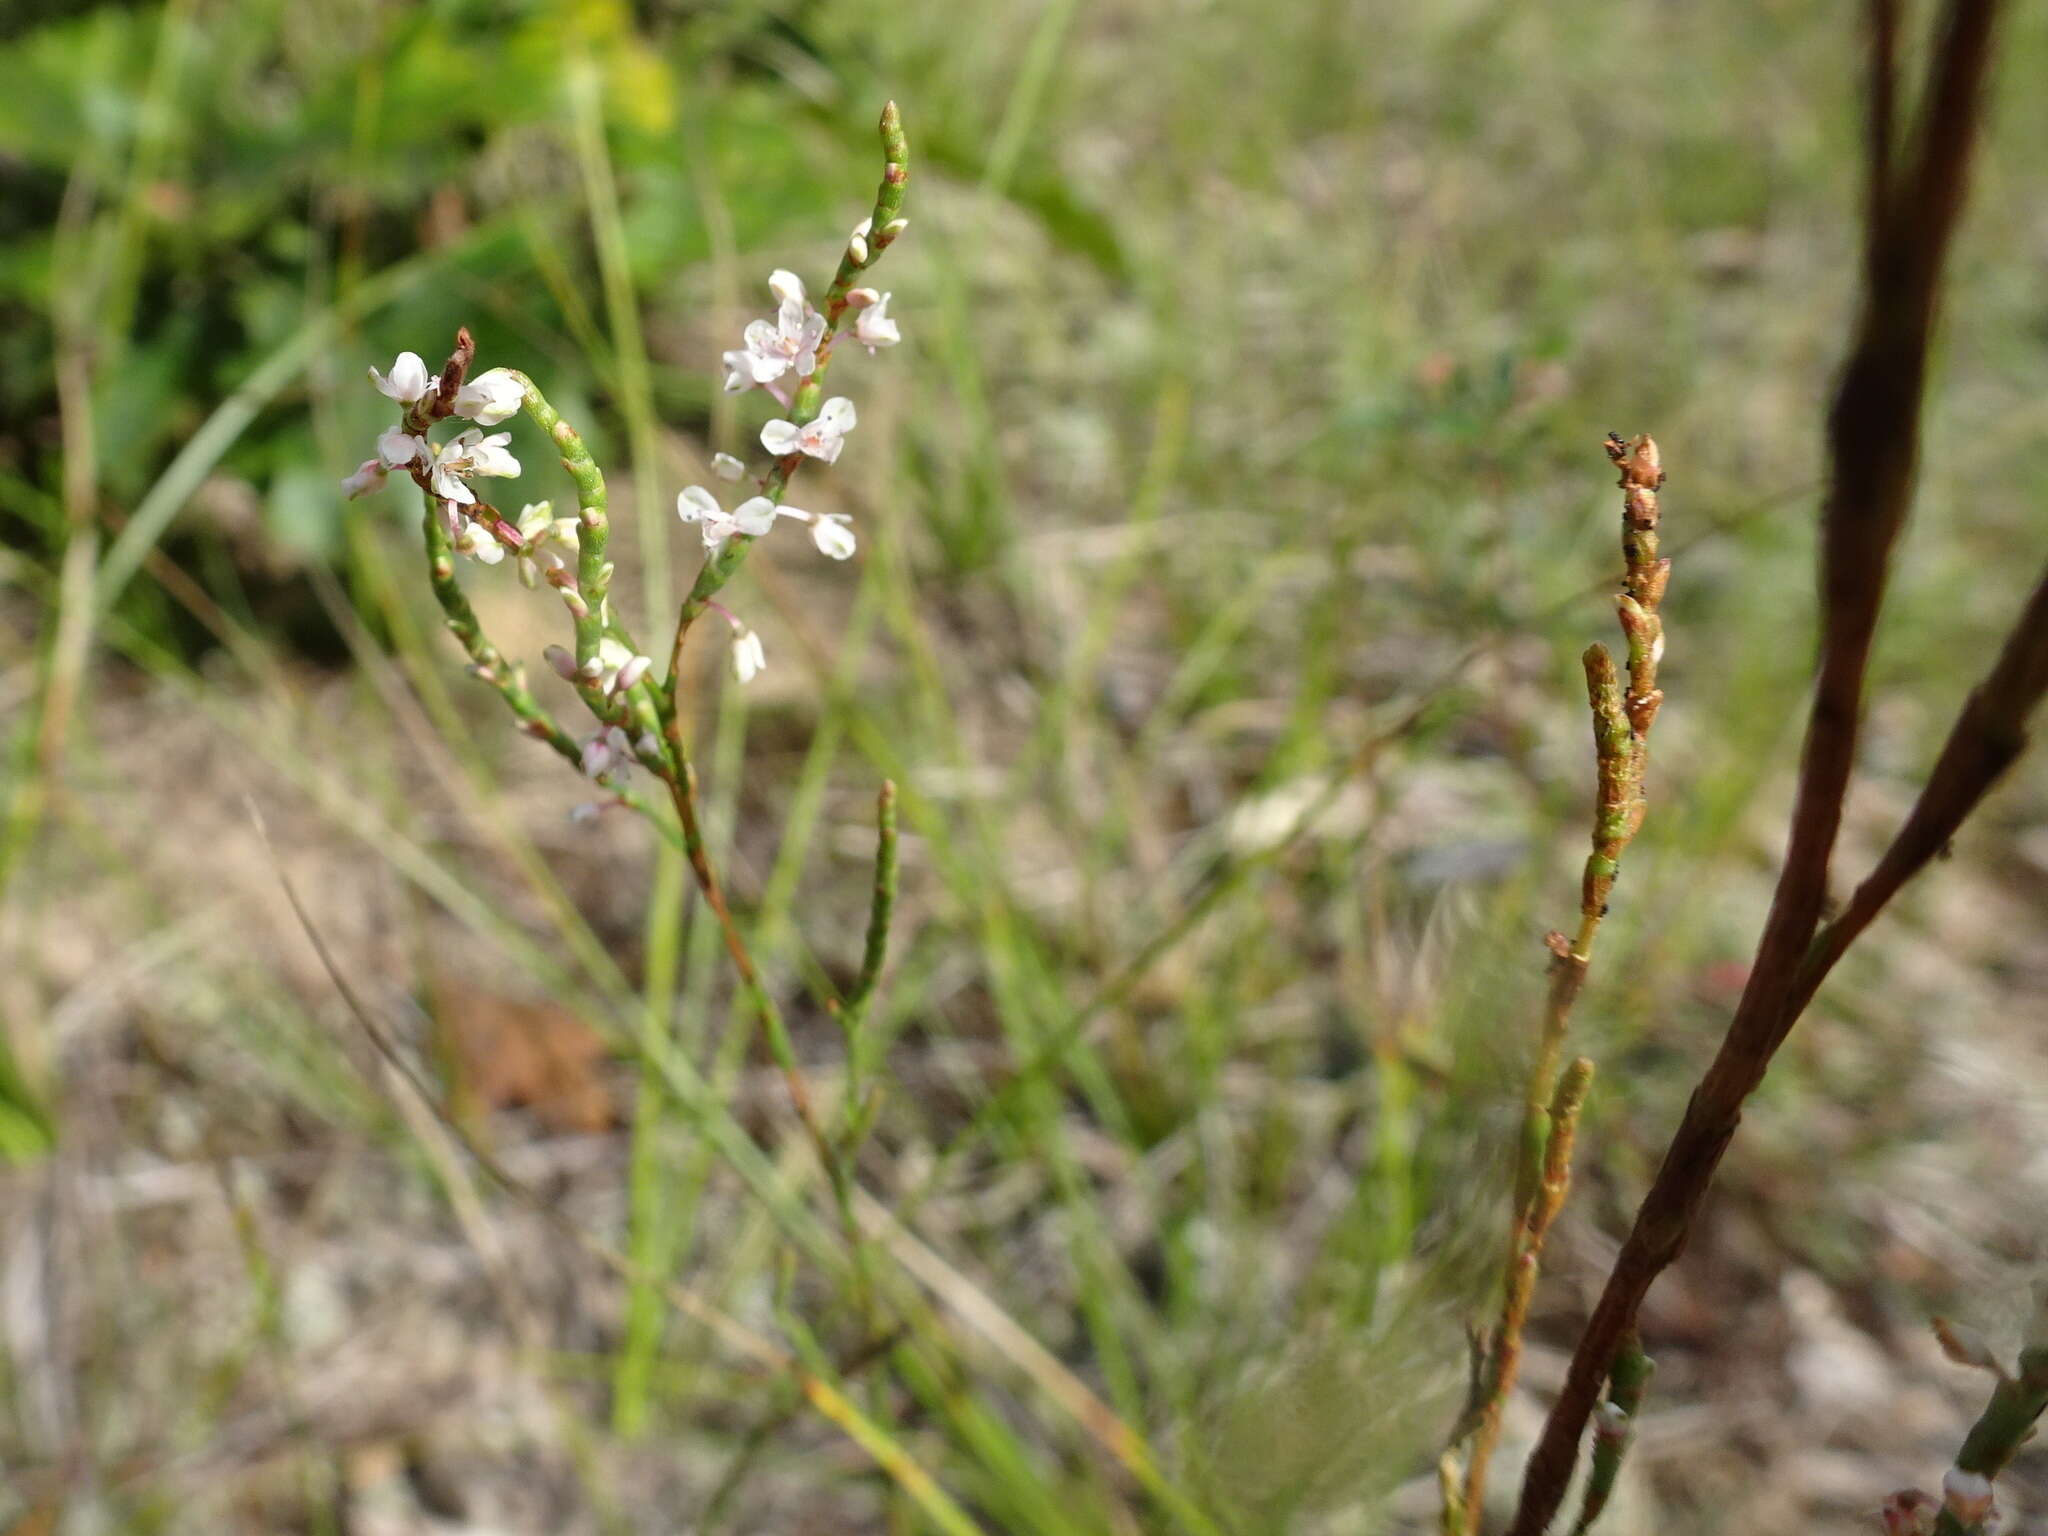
<point>1622,717</point>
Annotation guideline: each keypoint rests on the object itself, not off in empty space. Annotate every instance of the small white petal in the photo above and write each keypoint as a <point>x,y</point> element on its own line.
<point>781,437</point>
<point>490,397</point>
<point>726,467</point>
<point>834,537</point>
<point>694,504</point>
<point>786,286</point>
<point>398,448</point>
<point>837,417</point>
<point>754,516</point>
<point>489,457</point>
<point>747,656</point>
<point>408,380</point>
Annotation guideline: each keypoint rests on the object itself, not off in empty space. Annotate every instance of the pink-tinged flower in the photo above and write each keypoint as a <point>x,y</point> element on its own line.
<point>490,397</point>
<point>872,326</point>
<point>787,344</point>
<point>1909,1512</point>
<point>726,467</point>
<point>821,439</point>
<point>369,476</point>
<point>747,656</point>
<point>608,754</point>
<point>543,537</point>
<point>478,542</point>
<point>615,669</point>
<point>752,517</point>
<point>398,448</point>
<point>563,663</point>
<point>460,458</point>
<point>408,382</point>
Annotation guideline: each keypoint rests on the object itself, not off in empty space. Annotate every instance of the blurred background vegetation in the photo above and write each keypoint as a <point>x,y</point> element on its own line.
<point>1232,519</point>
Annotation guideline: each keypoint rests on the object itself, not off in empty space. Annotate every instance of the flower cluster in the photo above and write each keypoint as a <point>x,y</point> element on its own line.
<point>785,353</point>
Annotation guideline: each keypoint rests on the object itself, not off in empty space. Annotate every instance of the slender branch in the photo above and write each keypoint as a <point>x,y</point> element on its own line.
<point>1622,717</point>
<point>718,570</point>
<point>1988,737</point>
<point>1881,28</point>
<point>880,909</point>
<point>1873,443</point>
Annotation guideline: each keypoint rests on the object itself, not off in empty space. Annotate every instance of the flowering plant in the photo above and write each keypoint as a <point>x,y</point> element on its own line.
<point>637,717</point>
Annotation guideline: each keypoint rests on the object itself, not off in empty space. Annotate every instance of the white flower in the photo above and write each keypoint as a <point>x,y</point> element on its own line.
<point>726,467</point>
<point>398,448</point>
<point>832,532</point>
<point>408,382</point>
<point>821,439</point>
<point>608,753</point>
<point>752,517</point>
<point>747,656</point>
<point>472,453</point>
<point>542,538</point>
<point>477,542</point>
<point>872,326</point>
<point>773,348</point>
<point>369,476</point>
<point>490,397</point>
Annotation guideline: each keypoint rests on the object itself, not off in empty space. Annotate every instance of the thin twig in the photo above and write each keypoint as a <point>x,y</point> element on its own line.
<point>1873,444</point>
<point>1622,717</point>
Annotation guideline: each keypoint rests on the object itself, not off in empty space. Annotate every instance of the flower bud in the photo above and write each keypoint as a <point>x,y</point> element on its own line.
<point>1967,1496</point>
<point>631,673</point>
<point>861,298</point>
<point>563,663</point>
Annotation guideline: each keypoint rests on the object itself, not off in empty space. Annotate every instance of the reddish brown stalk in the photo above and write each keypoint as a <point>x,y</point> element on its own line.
<point>1873,443</point>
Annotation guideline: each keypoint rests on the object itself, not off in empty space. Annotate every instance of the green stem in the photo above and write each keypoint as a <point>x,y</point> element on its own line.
<point>1615,1429</point>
